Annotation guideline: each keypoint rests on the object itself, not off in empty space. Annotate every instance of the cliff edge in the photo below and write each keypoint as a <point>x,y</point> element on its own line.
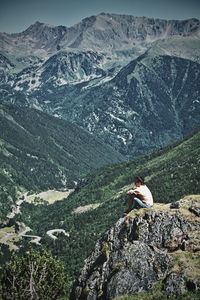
<point>158,247</point>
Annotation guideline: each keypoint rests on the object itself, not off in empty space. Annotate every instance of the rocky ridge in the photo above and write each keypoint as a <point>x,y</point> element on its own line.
<point>121,37</point>
<point>147,248</point>
<point>104,31</point>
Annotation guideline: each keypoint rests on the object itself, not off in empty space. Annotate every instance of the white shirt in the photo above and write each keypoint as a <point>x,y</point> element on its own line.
<point>143,193</point>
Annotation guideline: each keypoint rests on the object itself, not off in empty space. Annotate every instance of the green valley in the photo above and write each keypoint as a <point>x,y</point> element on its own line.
<point>170,173</point>
<point>39,152</point>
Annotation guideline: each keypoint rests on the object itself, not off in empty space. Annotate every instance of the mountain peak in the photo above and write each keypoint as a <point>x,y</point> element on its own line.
<point>37,26</point>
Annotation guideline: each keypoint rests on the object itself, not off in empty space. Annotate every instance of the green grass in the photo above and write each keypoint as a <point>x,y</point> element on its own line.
<point>188,262</point>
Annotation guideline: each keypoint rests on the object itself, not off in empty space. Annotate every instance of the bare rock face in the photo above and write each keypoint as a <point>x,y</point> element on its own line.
<point>104,32</point>
<point>147,246</point>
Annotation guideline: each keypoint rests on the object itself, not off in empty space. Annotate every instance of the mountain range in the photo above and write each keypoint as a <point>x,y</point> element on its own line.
<point>116,32</point>
<point>133,81</point>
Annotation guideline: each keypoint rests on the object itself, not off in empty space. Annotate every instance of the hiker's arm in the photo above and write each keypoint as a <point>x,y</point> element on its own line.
<point>135,193</point>
<point>131,192</point>
<point>138,194</point>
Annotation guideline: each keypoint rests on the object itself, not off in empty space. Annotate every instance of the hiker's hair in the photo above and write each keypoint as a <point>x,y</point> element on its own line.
<point>139,179</point>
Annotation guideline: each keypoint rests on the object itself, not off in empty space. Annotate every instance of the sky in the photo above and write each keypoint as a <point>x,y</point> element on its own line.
<point>17,15</point>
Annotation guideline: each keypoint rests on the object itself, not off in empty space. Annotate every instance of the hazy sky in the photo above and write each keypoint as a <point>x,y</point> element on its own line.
<point>17,15</point>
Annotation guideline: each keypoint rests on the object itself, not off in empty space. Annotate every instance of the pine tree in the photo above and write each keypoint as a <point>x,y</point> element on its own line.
<point>34,276</point>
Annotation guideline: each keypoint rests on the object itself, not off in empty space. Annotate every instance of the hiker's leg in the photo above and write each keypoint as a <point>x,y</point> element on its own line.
<point>139,203</point>
<point>130,203</point>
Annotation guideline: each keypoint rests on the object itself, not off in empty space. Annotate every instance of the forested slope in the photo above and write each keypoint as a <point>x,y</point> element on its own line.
<point>170,174</point>
<point>38,152</point>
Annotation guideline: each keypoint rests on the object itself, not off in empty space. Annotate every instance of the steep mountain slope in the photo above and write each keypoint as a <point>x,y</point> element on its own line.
<point>183,47</point>
<point>152,101</point>
<point>60,69</point>
<point>101,199</point>
<point>6,68</point>
<point>39,152</point>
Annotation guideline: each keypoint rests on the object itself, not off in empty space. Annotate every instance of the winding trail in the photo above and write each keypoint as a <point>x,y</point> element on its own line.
<point>22,233</point>
<point>50,233</point>
<point>35,238</point>
<point>23,229</point>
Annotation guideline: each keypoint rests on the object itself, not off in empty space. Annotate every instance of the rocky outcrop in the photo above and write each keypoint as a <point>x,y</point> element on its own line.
<point>68,67</point>
<point>145,247</point>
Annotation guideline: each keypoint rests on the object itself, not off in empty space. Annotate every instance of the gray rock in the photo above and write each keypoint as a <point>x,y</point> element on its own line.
<point>175,205</point>
<point>139,267</point>
<point>134,254</point>
<point>195,210</point>
<point>175,284</point>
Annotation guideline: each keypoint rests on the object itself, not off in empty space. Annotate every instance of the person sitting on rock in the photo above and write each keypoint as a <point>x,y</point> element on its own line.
<point>140,196</point>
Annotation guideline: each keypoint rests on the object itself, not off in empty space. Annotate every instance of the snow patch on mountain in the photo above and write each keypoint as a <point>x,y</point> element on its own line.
<point>28,80</point>
<point>116,118</point>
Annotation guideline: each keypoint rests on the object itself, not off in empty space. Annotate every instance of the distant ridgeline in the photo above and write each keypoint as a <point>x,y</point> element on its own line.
<point>171,174</point>
<point>39,152</point>
<point>133,81</point>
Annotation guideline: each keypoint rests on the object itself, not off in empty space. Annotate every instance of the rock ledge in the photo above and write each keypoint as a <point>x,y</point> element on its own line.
<point>145,247</point>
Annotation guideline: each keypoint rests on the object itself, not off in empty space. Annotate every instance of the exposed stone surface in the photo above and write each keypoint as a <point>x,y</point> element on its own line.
<point>175,204</point>
<point>175,284</point>
<point>195,210</point>
<point>146,246</point>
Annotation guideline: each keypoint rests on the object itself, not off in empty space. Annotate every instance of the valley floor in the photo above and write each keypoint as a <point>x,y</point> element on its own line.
<point>8,235</point>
